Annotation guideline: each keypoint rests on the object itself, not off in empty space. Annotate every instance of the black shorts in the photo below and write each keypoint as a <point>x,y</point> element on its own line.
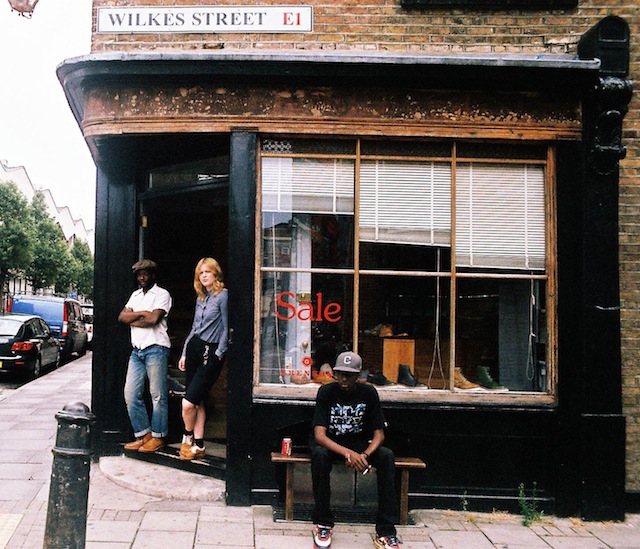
<point>203,369</point>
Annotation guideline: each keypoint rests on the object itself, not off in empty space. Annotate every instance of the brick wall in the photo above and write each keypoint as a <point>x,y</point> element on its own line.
<point>382,25</point>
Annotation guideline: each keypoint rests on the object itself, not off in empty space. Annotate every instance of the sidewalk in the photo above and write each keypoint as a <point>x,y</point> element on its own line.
<point>137,505</point>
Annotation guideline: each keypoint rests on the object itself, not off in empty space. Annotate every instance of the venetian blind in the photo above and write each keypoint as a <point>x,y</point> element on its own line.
<point>307,185</point>
<point>500,216</point>
<point>405,202</point>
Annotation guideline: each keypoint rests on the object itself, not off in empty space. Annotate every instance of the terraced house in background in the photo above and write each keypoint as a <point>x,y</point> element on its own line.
<point>447,187</point>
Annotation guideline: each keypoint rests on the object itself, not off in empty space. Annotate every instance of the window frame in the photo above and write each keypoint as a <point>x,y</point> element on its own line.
<point>270,392</point>
<point>492,4</point>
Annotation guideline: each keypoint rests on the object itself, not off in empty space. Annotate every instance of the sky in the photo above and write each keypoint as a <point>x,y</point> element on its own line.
<point>37,129</point>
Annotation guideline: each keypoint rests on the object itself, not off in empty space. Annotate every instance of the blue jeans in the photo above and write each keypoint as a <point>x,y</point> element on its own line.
<point>150,363</point>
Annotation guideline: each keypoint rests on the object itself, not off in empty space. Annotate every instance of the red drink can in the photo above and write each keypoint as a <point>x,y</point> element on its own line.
<point>286,447</point>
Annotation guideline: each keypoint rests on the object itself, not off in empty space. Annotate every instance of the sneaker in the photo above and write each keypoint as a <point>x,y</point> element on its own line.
<point>192,452</point>
<point>152,445</point>
<point>386,542</point>
<point>461,383</point>
<point>484,378</point>
<point>322,536</point>
<point>137,443</point>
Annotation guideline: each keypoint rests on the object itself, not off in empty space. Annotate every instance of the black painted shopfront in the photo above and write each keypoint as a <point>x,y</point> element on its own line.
<point>301,174</point>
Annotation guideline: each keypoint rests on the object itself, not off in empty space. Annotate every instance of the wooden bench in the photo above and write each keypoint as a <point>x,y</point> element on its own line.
<point>403,464</point>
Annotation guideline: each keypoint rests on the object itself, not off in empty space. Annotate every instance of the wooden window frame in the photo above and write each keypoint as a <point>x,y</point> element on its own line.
<point>270,392</point>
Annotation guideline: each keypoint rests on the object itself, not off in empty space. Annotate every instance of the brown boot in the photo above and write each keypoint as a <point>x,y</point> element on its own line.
<point>137,443</point>
<point>152,445</point>
<point>461,383</point>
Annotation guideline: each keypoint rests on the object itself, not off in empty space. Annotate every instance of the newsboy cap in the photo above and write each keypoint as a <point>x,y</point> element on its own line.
<point>144,265</point>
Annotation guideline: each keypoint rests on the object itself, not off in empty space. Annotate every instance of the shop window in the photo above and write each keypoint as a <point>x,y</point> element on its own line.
<point>432,265</point>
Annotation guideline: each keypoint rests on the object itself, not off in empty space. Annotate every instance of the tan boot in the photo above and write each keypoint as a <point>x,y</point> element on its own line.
<point>152,445</point>
<point>137,443</point>
<point>461,383</point>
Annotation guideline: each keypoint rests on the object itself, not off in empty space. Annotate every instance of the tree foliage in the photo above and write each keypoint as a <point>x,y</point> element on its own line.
<point>81,253</point>
<point>51,252</point>
<point>17,235</point>
<point>77,273</point>
<point>33,245</point>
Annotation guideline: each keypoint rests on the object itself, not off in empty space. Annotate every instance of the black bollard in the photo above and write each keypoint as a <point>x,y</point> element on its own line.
<point>69,491</point>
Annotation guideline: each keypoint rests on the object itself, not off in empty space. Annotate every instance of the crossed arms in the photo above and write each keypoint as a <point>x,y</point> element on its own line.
<point>141,319</point>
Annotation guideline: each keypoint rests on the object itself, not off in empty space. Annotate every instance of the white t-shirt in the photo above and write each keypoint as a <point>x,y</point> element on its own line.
<point>155,298</point>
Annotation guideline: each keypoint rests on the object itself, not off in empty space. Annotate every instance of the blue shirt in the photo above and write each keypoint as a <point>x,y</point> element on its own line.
<point>211,321</point>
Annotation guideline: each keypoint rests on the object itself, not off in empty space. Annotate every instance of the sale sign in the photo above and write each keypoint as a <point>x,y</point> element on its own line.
<point>287,308</point>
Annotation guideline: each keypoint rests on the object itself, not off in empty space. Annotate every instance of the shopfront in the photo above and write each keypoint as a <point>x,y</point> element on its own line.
<point>453,220</point>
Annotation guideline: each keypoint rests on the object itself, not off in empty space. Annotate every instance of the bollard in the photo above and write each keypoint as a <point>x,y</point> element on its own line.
<point>68,494</point>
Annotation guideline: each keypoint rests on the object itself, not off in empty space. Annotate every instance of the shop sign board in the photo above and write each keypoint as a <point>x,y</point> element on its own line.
<point>205,19</point>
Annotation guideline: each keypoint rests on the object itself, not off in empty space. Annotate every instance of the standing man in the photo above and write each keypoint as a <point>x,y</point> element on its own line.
<point>146,313</point>
<point>348,424</point>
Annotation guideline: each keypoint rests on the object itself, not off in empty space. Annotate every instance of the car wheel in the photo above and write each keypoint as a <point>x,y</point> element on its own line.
<point>37,368</point>
<point>83,350</point>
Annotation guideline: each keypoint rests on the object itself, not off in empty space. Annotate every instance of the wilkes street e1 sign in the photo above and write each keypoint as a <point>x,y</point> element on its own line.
<point>209,19</point>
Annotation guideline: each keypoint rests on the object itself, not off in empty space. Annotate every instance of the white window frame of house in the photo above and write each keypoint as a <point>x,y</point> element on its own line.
<point>527,252</point>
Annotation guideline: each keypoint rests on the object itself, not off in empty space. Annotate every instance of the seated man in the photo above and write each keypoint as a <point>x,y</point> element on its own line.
<point>348,424</point>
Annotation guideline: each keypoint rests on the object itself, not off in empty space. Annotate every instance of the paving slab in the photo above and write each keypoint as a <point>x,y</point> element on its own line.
<point>512,535</point>
<point>458,540</point>
<point>212,533</point>
<point>162,538</point>
<point>111,531</point>
<point>575,543</point>
<point>618,536</point>
<point>169,521</point>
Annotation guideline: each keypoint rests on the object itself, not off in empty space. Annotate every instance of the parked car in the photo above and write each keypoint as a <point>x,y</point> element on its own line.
<point>62,314</point>
<point>27,345</point>
<point>87,311</point>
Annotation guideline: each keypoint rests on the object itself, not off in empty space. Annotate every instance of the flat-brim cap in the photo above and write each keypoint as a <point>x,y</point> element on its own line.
<point>348,362</point>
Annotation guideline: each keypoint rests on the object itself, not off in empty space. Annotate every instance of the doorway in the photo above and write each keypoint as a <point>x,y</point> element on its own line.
<point>184,214</point>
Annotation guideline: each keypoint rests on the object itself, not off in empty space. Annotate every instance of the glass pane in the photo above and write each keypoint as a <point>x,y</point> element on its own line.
<point>424,149</point>
<point>405,202</point>
<point>500,216</point>
<point>404,329</point>
<point>501,336</point>
<point>404,257</point>
<point>204,172</point>
<point>308,146</point>
<point>307,185</point>
<point>301,240</point>
<point>306,320</point>
<point>471,149</point>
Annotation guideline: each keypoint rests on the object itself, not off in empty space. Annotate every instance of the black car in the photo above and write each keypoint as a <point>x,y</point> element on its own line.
<point>27,345</point>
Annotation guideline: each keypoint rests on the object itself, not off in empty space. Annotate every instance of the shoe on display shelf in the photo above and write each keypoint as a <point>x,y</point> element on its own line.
<point>483,377</point>
<point>405,377</point>
<point>378,378</point>
<point>461,383</point>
